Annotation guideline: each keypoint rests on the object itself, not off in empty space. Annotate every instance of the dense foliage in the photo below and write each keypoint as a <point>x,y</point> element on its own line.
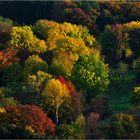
<point>124,43</point>
<point>123,126</point>
<point>24,118</point>
<point>90,73</point>
<point>74,73</point>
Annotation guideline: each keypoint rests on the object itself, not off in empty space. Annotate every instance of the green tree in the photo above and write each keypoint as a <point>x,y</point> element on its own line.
<point>90,74</point>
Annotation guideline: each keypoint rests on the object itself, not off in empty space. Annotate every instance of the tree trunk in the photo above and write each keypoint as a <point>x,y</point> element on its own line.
<point>56,113</point>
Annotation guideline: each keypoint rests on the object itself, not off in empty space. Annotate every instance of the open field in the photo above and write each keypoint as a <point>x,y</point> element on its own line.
<point>119,91</point>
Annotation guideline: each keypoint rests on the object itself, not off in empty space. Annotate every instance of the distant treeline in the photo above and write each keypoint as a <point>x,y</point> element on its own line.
<point>26,12</point>
<point>93,14</point>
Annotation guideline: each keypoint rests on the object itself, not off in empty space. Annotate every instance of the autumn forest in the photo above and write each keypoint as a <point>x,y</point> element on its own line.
<point>70,69</point>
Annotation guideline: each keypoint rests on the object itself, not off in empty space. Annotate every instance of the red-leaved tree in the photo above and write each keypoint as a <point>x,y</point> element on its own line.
<point>27,115</point>
<point>7,58</point>
<point>37,119</point>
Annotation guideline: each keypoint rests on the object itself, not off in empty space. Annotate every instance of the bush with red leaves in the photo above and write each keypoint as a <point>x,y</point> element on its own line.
<point>37,119</point>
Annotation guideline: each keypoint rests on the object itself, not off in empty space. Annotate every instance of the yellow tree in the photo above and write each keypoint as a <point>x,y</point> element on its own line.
<point>55,94</point>
<point>22,38</point>
<point>68,50</point>
<point>67,42</point>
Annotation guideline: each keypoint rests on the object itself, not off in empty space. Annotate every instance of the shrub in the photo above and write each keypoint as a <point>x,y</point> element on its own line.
<point>136,112</point>
<point>74,130</point>
<point>135,96</point>
<point>136,64</point>
<point>123,126</point>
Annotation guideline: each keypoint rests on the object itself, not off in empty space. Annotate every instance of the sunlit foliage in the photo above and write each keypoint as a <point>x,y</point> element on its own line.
<point>55,94</point>
<point>22,37</point>
<point>90,73</point>
<point>67,42</point>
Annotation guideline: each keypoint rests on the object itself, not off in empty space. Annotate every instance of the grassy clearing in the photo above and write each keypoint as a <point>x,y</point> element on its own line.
<point>119,91</point>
